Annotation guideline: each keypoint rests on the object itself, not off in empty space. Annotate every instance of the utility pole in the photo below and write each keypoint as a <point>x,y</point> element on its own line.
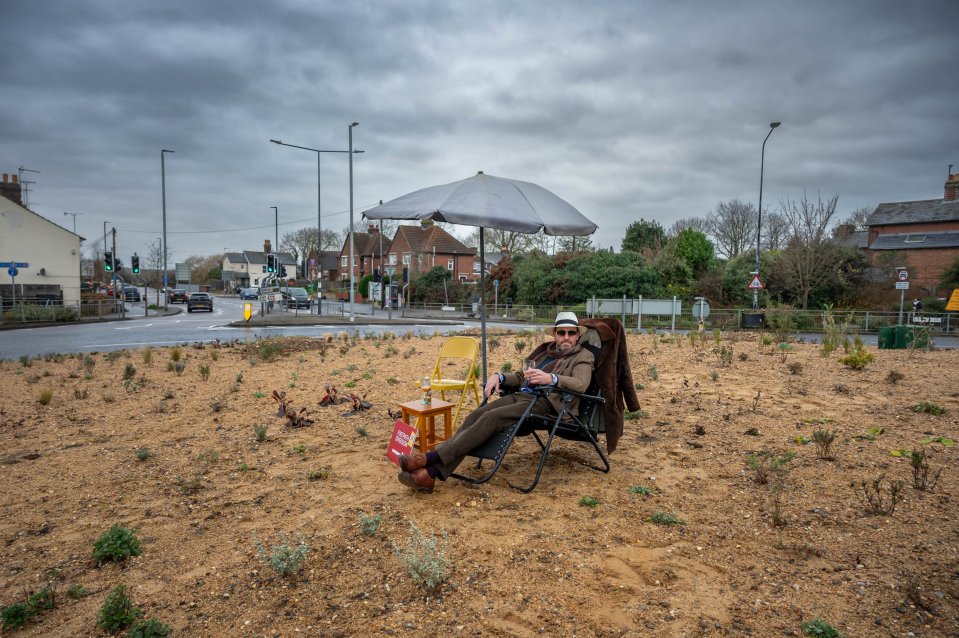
<point>114,275</point>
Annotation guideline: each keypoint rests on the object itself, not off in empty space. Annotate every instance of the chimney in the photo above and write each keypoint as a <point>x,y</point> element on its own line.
<point>952,188</point>
<point>373,228</point>
<point>266,247</point>
<point>11,189</point>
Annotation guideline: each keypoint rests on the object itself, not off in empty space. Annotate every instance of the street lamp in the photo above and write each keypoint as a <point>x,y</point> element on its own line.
<point>319,216</point>
<point>65,213</point>
<point>105,247</point>
<point>163,189</point>
<point>352,273</point>
<point>276,227</point>
<point>759,226</point>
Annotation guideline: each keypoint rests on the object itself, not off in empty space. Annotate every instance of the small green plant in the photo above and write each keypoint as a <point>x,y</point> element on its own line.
<point>113,356</point>
<point>175,354</point>
<point>858,359</point>
<point>147,354</point>
<point>242,466</point>
<point>89,362</point>
<point>258,395</point>
<point>795,368</point>
<point>284,557</point>
<point>259,432</point>
<point>871,495</point>
<point>823,440</point>
<point>118,610</point>
<point>724,354</point>
<point>506,368</point>
<point>392,381</point>
<point>204,372</point>
<point>588,501</point>
<point>784,348</point>
<point>43,598</point>
<point>653,372</point>
<point>350,384</point>
<point>293,377</point>
<point>937,439</point>
<point>764,465</point>
<point>299,448</point>
<point>819,628</point>
<point>425,558</point>
<point>15,616</point>
<point>317,475</point>
<point>76,591</point>
<point>45,396</point>
<point>767,340</point>
<point>189,486</point>
<point>927,407</point>
<point>920,472</point>
<point>179,367</point>
<point>151,628</point>
<point>214,355</point>
<point>870,434</point>
<point>635,414</point>
<point>663,518</point>
<point>369,524</point>
<point>361,430</point>
<point>26,361</point>
<point>714,375</point>
<point>642,490</point>
<point>239,377</point>
<point>143,454</point>
<point>129,371</point>
<point>116,544</point>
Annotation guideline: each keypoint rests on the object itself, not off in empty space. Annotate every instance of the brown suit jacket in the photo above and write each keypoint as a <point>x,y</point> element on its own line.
<point>573,373</point>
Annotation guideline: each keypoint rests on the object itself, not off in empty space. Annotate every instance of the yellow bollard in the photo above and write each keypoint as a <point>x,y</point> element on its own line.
<point>247,311</point>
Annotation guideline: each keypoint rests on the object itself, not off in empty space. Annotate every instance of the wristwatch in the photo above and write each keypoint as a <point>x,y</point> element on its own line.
<point>555,380</point>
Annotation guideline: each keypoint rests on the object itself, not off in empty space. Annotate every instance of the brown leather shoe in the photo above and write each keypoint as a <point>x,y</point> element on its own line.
<point>420,480</point>
<point>412,461</point>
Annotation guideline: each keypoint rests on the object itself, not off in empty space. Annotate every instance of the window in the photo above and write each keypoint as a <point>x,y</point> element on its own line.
<point>264,269</point>
<point>476,267</point>
<point>915,239</point>
<point>406,259</point>
<point>449,264</point>
<point>343,261</point>
<point>392,259</point>
<point>463,279</point>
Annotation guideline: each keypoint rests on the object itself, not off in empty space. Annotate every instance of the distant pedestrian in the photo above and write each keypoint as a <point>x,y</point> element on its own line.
<point>917,306</point>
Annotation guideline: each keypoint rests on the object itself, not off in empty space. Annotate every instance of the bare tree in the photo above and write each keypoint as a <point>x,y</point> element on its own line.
<point>700,224</point>
<point>810,257</point>
<point>732,226</point>
<point>153,265</point>
<point>299,243</point>
<point>506,242</point>
<point>574,244</point>
<point>775,231</point>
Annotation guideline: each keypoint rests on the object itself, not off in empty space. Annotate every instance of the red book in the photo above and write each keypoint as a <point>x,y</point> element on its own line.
<point>401,442</point>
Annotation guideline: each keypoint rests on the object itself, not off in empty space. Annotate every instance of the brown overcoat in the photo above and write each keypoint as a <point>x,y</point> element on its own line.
<point>614,376</point>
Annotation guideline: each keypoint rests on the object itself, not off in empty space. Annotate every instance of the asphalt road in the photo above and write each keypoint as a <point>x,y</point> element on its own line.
<point>180,328</point>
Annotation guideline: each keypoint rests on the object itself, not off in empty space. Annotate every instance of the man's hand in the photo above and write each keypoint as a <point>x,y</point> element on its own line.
<point>492,385</point>
<point>535,376</point>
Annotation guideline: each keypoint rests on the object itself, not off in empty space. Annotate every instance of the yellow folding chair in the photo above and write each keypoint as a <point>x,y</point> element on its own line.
<point>467,348</point>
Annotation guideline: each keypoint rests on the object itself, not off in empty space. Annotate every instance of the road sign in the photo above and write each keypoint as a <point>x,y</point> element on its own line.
<point>902,285</point>
<point>14,264</point>
<point>953,304</point>
<point>700,308</point>
<point>903,275</point>
<point>12,271</point>
<point>756,283</point>
<point>496,283</point>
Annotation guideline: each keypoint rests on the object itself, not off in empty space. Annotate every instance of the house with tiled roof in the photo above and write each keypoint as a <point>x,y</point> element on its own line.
<point>248,268</point>
<point>366,254</point>
<point>422,248</point>
<point>925,232</point>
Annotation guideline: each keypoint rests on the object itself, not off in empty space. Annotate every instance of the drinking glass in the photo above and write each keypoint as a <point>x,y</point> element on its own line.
<point>528,364</point>
<point>425,386</point>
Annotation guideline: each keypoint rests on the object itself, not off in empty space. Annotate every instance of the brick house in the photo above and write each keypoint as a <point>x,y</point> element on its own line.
<point>924,233</point>
<point>422,248</point>
<point>366,254</point>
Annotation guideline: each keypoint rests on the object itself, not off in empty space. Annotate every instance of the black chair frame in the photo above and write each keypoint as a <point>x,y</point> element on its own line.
<point>566,425</point>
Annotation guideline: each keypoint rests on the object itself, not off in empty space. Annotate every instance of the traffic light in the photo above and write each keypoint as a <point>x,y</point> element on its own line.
<point>376,274</point>
<point>282,271</point>
<point>135,264</point>
<point>117,265</point>
<point>108,261</point>
<point>406,275</point>
<point>271,263</point>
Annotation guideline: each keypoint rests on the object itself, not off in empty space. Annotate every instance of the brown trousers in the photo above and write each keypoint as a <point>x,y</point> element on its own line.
<point>482,424</point>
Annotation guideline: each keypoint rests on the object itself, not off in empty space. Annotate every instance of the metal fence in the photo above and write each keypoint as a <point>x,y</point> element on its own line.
<point>42,311</point>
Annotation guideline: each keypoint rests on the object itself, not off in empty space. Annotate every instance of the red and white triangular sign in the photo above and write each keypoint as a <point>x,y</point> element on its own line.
<point>756,283</point>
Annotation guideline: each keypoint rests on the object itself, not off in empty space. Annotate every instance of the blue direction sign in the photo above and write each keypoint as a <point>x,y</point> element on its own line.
<point>12,271</point>
<point>21,264</point>
<point>6,264</point>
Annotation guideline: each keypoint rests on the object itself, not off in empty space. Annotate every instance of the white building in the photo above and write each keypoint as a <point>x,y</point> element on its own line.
<point>52,252</point>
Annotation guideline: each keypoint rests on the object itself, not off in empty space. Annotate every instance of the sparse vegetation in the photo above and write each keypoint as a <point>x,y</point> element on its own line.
<point>665,518</point>
<point>118,611</point>
<point>151,628</point>
<point>927,407</point>
<point>116,544</point>
<point>920,472</point>
<point>642,490</point>
<point>425,558</point>
<point>875,499</point>
<point>369,524</point>
<point>259,432</point>
<point>823,440</point>
<point>819,628</point>
<point>204,372</point>
<point>894,377</point>
<point>588,501</point>
<point>858,359</point>
<point>45,396</point>
<point>285,557</point>
<point>143,454</point>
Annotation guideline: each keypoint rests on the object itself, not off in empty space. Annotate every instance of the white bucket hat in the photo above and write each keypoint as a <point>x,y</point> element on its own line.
<point>563,320</point>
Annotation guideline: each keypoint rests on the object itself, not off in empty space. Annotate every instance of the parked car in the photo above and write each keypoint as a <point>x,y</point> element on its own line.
<point>199,301</point>
<point>176,295</point>
<point>295,298</point>
<point>131,293</point>
<point>249,293</point>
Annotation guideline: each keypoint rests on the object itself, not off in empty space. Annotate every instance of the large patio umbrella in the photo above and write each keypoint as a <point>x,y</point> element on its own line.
<point>489,202</point>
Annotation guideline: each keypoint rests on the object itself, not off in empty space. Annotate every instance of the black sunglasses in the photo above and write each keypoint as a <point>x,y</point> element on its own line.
<point>566,332</point>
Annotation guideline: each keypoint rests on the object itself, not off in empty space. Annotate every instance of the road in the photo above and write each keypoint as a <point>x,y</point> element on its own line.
<point>168,330</point>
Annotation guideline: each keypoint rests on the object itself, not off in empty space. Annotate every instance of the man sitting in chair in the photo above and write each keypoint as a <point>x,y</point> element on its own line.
<point>562,363</point>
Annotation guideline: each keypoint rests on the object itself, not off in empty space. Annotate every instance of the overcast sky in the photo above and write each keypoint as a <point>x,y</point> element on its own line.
<point>625,109</point>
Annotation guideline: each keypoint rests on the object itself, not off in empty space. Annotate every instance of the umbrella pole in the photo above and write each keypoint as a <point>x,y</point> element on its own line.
<point>482,242</point>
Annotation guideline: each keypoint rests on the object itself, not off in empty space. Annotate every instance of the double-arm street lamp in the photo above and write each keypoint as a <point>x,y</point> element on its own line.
<point>759,226</point>
<point>319,214</point>
<point>352,264</point>
<point>163,189</point>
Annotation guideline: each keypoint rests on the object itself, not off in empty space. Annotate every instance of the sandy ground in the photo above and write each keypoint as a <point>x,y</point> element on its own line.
<point>519,565</point>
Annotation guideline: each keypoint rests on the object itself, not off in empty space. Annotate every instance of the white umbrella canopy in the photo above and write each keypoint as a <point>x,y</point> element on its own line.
<point>489,202</point>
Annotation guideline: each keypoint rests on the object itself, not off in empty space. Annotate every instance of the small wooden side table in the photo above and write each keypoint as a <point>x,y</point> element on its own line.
<point>427,437</point>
